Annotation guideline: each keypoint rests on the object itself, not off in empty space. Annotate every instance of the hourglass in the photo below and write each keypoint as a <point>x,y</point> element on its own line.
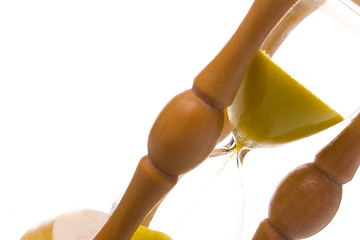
<point>214,89</point>
<point>190,126</point>
<point>271,108</point>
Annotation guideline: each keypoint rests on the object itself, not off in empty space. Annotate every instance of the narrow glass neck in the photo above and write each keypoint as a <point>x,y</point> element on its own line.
<point>242,146</point>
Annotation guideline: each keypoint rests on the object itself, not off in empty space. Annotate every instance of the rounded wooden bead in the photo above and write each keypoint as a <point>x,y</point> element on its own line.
<point>304,203</point>
<point>266,231</point>
<point>184,134</point>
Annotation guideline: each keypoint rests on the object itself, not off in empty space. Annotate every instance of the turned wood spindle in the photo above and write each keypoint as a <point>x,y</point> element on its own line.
<point>309,197</point>
<point>287,217</point>
<point>189,127</point>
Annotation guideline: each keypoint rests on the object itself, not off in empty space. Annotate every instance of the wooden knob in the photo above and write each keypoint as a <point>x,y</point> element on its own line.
<point>189,127</point>
<point>268,232</point>
<point>184,134</point>
<point>304,203</point>
<point>309,197</point>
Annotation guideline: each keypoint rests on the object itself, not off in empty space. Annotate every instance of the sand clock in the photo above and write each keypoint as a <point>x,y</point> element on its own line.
<point>251,87</point>
<point>272,108</point>
<point>298,111</point>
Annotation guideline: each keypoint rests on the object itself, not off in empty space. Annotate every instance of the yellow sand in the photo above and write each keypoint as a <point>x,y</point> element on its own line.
<point>144,233</point>
<point>82,224</point>
<point>272,108</point>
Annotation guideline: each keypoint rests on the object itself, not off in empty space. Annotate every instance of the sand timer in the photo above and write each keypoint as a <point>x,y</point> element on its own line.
<point>256,123</point>
<point>190,126</point>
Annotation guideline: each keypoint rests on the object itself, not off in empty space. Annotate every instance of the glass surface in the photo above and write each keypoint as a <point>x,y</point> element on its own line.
<point>320,57</point>
<point>322,54</point>
<point>207,203</point>
<point>292,101</point>
<point>272,108</point>
<point>72,87</point>
<point>303,87</point>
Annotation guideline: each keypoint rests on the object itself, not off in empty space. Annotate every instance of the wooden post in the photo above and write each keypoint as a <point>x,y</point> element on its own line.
<point>189,127</point>
<point>309,197</point>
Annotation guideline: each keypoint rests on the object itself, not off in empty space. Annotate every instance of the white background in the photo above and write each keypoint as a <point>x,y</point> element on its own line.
<point>81,83</point>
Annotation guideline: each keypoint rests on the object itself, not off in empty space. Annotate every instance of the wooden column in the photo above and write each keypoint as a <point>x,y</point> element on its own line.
<point>309,197</point>
<point>190,125</point>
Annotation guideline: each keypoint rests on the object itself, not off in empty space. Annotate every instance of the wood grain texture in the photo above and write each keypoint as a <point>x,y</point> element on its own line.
<point>266,231</point>
<point>220,79</point>
<point>308,198</point>
<point>184,134</point>
<point>145,190</point>
<point>190,125</point>
<point>340,159</point>
<point>305,202</point>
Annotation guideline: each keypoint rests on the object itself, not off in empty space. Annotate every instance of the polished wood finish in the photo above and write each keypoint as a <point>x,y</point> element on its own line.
<point>184,134</point>
<point>309,197</point>
<point>304,203</point>
<point>191,124</point>
<point>356,1</point>
<point>268,232</point>
<point>219,81</point>
<point>341,157</point>
<point>138,199</point>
